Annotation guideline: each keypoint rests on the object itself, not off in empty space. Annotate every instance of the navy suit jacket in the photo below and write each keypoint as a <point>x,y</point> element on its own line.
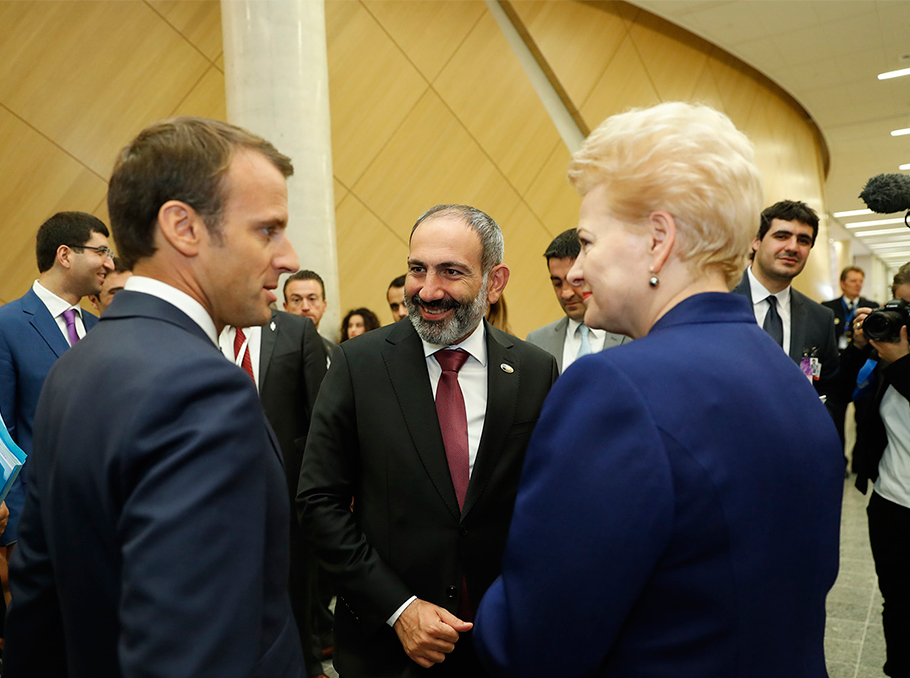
<point>30,343</point>
<point>154,540</point>
<point>840,313</point>
<point>655,533</point>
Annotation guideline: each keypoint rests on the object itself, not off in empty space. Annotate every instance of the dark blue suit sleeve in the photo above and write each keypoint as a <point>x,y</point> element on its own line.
<point>592,518</point>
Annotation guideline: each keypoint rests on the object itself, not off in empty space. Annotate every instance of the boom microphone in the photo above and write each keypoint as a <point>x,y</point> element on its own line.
<point>887,193</point>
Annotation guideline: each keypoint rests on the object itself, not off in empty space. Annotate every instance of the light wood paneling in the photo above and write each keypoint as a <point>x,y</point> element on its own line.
<point>707,92</point>
<point>737,90</point>
<point>551,197</point>
<point>372,87</point>
<point>206,99</point>
<point>578,40</point>
<point>89,75</point>
<point>428,31</point>
<point>370,256</point>
<point>432,160</point>
<point>199,21</point>
<point>624,84</point>
<point>38,180</point>
<point>499,106</point>
<point>673,58</point>
<point>340,192</point>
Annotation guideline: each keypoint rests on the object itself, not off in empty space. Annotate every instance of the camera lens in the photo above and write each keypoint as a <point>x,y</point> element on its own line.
<point>882,325</point>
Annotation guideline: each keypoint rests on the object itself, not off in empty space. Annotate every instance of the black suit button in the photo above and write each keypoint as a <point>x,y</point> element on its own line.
<point>463,531</point>
<point>451,592</point>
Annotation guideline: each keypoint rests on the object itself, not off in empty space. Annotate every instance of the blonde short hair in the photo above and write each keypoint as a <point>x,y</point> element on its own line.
<point>689,160</point>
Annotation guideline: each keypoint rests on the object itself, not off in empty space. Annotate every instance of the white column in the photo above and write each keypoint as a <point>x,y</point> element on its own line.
<point>277,85</point>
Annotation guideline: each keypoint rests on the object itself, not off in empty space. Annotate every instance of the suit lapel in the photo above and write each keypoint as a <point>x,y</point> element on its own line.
<point>502,398</point>
<point>267,347</point>
<point>797,326</point>
<point>559,340</point>
<point>43,322</point>
<point>407,369</point>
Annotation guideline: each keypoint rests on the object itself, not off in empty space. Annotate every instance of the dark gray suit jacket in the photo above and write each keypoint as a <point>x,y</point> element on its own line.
<point>375,437</point>
<point>552,338</point>
<point>811,327</point>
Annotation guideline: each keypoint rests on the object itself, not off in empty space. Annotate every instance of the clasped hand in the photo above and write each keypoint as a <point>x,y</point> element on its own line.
<point>428,632</point>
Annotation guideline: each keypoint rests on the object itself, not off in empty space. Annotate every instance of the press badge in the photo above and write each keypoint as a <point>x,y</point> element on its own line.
<point>811,367</point>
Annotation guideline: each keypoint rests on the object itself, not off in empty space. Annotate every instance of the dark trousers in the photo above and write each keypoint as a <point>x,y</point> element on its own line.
<point>889,535</point>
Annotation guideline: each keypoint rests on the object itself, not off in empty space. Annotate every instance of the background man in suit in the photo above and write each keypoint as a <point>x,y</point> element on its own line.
<point>73,258</point>
<point>844,308</point>
<point>113,283</point>
<point>395,295</point>
<point>304,294</point>
<point>286,361</point>
<point>802,327</point>
<point>158,543</point>
<point>569,338</point>
<point>433,484</point>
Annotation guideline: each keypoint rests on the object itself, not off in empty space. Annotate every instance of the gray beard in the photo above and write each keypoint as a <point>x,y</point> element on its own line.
<point>446,332</point>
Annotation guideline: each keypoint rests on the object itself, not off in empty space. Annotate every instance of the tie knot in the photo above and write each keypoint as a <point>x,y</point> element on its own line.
<point>451,361</point>
<point>239,338</point>
<point>69,316</point>
<point>583,330</point>
<point>772,300</point>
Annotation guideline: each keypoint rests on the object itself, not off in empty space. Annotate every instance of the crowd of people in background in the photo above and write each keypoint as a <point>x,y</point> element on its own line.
<point>649,485</point>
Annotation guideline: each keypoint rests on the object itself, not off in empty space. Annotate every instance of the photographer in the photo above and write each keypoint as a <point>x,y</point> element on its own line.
<point>882,454</point>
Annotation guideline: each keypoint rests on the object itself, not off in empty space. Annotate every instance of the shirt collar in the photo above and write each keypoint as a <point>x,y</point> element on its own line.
<point>175,297</point>
<point>760,292</point>
<point>475,344</point>
<point>573,327</point>
<point>55,305</point>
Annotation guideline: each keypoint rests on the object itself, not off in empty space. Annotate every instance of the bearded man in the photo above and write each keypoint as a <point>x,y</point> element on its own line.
<point>423,423</point>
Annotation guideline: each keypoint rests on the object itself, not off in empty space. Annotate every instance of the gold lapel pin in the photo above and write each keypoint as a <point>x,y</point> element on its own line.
<point>508,369</point>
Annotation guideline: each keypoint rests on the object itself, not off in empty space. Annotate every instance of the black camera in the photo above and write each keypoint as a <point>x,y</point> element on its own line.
<point>885,323</point>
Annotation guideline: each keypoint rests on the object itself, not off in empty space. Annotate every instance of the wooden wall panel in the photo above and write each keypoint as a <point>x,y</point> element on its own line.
<point>499,107</point>
<point>90,74</point>
<point>199,21</point>
<point>427,31</point>
<point>206,99</point>
<point>551,197</point>
<point>673,58</point>
<point>624,84</point>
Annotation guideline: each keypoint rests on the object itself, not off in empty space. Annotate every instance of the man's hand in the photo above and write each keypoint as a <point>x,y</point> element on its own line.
<point>859,339</point>
<point>890,352</point>
<point>428,632</point>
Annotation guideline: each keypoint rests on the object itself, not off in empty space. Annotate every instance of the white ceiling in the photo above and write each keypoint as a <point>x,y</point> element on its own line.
<point>826,54</point>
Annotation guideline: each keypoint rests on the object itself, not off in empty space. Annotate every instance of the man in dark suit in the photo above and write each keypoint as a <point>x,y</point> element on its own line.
<point>286,361</point>
<point>73,258</point>
<point>844,308</point>
<point>802,327</point>
<point>569,338</point>
<point>433,484</point>
<point>158,543</point>
<point>304,294</point>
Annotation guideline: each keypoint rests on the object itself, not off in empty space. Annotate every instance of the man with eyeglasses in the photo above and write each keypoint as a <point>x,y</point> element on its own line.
<point>73,259</point>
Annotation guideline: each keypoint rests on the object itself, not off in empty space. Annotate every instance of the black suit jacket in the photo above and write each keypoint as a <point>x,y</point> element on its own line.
<point>811,327</point>
<point>154,541</point>
<point>375,437</point>
<point>840,313</point>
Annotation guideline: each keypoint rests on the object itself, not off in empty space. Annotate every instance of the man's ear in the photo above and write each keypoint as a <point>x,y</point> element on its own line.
<point>499,278</point>
<point>94,299</point>
<point>181,227</point>
<point>64,256</point>
<point>661,238</point>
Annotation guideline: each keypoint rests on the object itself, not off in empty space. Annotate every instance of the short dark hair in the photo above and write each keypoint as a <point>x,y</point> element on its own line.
<point>65,228</point>
<point>788,210</point>
<point>564,246</point>
<point>843,274</point>
<point>183,159</point>
<point>370,321</point>
<point>397,282</point>
<point>120,265</point>
<point>492,246</point>
<point>303,275</point>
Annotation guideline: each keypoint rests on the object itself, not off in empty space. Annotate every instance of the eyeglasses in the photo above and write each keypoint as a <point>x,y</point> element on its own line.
<point>103,251</point>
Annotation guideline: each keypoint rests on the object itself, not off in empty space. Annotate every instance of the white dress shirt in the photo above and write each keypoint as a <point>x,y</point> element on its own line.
<point>573,342</point>
<point>253,344</point>
<point>56,306</point>
<point>760,305</point>
<point>893,481</point>
<point>175,297</point>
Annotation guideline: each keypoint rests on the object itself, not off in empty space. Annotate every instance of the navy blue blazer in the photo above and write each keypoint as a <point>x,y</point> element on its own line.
<point>154,539</point>
<point>678,513</point>
<point>30,343</point>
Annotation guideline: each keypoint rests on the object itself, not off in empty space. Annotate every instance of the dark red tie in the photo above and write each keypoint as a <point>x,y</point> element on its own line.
<point>453,420</point>
<point>246,363</point>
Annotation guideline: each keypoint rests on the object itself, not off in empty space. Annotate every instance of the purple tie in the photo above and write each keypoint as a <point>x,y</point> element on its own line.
<point>69,317</point>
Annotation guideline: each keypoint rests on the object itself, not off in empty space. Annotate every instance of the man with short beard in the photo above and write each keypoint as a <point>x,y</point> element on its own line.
<point>425,424</point>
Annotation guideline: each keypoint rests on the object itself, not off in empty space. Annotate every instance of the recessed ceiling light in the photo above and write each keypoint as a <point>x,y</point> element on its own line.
<point>883,231</point>
<point>894,74</point>
<point>852,213</point>
<point>900,132</point>
<point>877,222</point>
<point>904,167</point>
